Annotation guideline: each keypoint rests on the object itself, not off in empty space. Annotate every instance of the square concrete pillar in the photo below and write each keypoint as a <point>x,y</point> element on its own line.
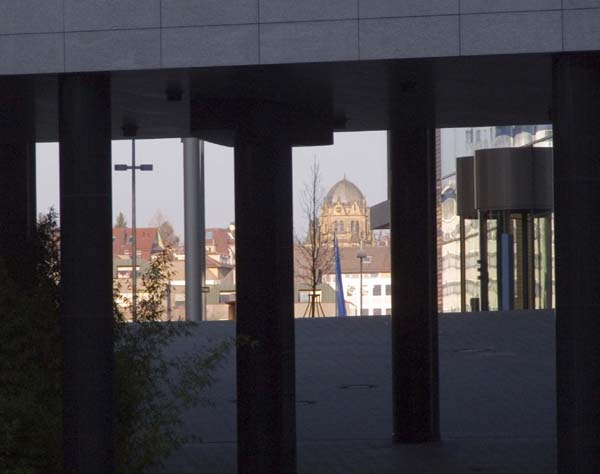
<point>265,305</point>
<point>86,273</point>
<point>414,285</point>
<point>17,177</point>
<point>576,117</point>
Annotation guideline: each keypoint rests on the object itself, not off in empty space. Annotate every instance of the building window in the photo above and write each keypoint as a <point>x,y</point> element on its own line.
<point>376,290</point>
<point>449,209</point>
<point>388,311</point>
<point>226,297</point>
<point>388,290</point>
<point>124,272</point>
<point>364,312</point>
<point>304,296</point>
<point>376,312</point>
<point>179,300</point>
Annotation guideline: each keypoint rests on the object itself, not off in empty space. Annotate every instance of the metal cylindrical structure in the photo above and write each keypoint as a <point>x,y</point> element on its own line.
<point>193,190</point>
<point>465,187</point>
<point>513,179</point>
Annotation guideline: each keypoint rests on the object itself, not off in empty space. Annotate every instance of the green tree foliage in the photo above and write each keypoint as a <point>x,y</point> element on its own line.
<point>31,364</point>
<point>121,221</point>
<point>151,390</point>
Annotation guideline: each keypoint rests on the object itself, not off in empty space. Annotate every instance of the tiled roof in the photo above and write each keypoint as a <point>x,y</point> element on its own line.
<point>212,263</point>
<point>221,239</point>
<point>378,260</point>
<point>178,267</point>
<point>148,241</point>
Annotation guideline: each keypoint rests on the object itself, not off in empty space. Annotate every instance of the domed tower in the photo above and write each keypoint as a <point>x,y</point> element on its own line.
<point>345,213</point>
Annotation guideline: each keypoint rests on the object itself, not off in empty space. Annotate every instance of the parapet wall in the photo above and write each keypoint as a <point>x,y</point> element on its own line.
<point>50,36</point>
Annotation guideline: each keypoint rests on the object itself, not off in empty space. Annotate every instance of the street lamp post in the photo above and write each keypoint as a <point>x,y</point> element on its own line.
<point>133,169</point>
<point>361,255</point>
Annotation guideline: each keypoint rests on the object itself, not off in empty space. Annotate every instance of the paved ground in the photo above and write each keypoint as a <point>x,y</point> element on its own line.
<point>497,399</point>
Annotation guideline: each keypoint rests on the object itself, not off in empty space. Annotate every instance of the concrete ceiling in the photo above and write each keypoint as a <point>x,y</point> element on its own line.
<point>354,95</point>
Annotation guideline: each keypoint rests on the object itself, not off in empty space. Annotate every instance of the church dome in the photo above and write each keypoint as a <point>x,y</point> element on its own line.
<point>344,192</point>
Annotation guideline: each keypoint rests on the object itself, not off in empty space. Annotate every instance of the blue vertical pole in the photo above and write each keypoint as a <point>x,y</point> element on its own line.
<point>507,273</point>
<point>341,303</point>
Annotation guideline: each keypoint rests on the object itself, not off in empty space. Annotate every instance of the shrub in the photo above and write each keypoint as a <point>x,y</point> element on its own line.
<point>31,363</point>
<point>151,390</point>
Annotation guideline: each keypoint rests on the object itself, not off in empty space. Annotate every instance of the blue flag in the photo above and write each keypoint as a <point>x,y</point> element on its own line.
<point>341,303</point>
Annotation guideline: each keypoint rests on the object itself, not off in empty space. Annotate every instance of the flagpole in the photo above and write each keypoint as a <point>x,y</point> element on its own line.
<point>341,303</point>
<point>361,255</point>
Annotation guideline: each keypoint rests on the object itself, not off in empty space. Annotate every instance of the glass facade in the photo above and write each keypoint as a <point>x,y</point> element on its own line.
<point>531,232</point>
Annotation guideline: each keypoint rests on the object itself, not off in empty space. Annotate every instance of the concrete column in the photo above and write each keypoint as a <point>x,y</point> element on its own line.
<point>576,116</point>
<point>265,307</point>
<point>17,177</point>
<point>86,272</point>
<point>195,250</point>
<point>414,295</point>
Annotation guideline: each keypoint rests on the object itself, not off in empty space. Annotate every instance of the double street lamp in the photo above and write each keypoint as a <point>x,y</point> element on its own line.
<point>361,255</point>
<point>133,169</point>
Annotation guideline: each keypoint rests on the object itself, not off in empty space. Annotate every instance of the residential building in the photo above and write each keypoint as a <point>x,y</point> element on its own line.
<point>376,280</point>
<point>148,242</point>
<point>220,244</point>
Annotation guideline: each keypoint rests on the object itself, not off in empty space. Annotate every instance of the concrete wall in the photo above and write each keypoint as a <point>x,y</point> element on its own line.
<point>42,36</point>
<point>330,309</point>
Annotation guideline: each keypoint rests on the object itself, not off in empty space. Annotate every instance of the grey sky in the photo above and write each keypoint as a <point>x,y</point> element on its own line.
<point>360,156</point>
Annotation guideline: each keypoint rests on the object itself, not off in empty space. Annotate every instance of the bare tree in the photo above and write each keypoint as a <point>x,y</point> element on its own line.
<point>165,229</point>
<point>315,253</point>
